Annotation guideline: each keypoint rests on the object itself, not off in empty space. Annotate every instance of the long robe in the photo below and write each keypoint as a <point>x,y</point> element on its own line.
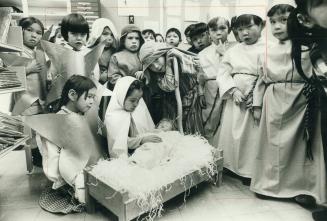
<point>238,132</point>
<point>210,61</point>
<point>281,166</point>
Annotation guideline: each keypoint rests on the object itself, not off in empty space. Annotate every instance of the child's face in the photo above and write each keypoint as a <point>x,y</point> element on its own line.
<point>200,41</point>
<point>279,26</point>
<point>107,36</point>
<point>219,34</point>
<point>148,37</point>
<point>159,39</point>
<point>165,125</point>
<point>132,42</point>
<point>132,100</point>
<point>59,39</point>
<point>318,14</point>
<point>77,40</point>
<point>83,104</point>
<point>172,39</point>
<point>158,65</point>
<point>32,35</point>
<point>249,34</point>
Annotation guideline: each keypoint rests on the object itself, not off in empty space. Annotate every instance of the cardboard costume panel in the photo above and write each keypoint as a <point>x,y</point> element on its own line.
<point>67,63</point>
<point>77,135</point>
<point>14,60</point>
<point>80,145</point>
<point>35,82</point>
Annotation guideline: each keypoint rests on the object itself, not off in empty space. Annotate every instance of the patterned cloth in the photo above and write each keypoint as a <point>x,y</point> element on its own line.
<point>60,200</point>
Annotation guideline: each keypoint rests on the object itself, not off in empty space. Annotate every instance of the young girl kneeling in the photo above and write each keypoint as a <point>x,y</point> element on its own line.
<point>127,117</point>
<point>77,97</point>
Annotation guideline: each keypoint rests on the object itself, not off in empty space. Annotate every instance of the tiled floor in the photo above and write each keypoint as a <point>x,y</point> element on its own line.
<point>19,193</point>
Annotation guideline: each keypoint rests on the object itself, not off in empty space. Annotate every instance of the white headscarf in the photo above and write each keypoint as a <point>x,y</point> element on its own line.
<point>97,29</point>
<point>118,120</point>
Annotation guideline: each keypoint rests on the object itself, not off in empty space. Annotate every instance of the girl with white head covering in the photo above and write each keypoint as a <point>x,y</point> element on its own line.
<point>104,30</point>
<point>127,118</point>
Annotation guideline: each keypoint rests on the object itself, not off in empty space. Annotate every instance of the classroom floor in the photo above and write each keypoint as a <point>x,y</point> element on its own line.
<point>19,194</point>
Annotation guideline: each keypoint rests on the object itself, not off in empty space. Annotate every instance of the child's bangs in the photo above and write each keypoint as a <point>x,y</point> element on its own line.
<point>246,19</point>
<point>280,10</point>
<point>79,27</point>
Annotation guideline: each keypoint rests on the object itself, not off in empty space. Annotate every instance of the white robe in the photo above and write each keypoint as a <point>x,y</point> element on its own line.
<point>118,120</point>
<point>210,61</point>
<point>281,167</point>
<point>238,132</point>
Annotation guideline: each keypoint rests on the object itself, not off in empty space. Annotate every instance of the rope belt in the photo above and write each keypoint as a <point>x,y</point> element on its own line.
<point>286,82</point>
<point>251,74</point>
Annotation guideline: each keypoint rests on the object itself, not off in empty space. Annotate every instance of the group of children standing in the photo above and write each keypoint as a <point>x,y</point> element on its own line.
<point>246,97</point>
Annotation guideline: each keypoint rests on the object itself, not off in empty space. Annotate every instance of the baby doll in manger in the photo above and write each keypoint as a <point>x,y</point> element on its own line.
<point>150,155</point>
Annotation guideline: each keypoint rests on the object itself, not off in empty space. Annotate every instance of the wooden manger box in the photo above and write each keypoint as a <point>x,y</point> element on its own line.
<point>126,208</point>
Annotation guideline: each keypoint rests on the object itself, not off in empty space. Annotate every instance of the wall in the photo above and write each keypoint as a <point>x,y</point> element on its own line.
<point>109,9</point>
<point>160,12</point>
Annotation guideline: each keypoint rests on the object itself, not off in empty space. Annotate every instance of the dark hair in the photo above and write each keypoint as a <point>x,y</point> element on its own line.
<point>28,21</point>
<point>245,20</point>
<point>158,34</point>
<point>303,36</point>
<point>136,85</point>
<point>314,39</point>
<point>176,31</point>
<point>280,9</point>
<point>149,31</point>
<point>123,39</point>
<point>213,23</point>
<point>79,84</point>
<point>197,29</point>
<point>232,22</point>
<point>188,29</point>
<point>74,23</point>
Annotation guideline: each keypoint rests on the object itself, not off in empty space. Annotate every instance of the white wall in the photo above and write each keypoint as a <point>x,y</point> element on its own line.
<point>4,103</point>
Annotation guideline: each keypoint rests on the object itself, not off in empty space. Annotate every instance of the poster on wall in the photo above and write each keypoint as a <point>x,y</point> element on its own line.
<point>133,7</point>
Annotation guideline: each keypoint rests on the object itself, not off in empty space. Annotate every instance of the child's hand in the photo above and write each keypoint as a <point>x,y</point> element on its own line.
<point>151,139</point>
<point>33,67</point>
<point>139,75</point>
<point>249,102</point>
<point>174,53</point>
<point>113,79</point>
<point>221,48</point>
<point>256,115</point>
<point>238,96</point>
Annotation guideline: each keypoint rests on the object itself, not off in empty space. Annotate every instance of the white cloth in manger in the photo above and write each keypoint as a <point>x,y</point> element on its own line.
<point>151,155</point>
<point>178,156</point>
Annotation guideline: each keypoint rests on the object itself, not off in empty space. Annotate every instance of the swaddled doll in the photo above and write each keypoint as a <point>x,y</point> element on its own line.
<point>151,155</point>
